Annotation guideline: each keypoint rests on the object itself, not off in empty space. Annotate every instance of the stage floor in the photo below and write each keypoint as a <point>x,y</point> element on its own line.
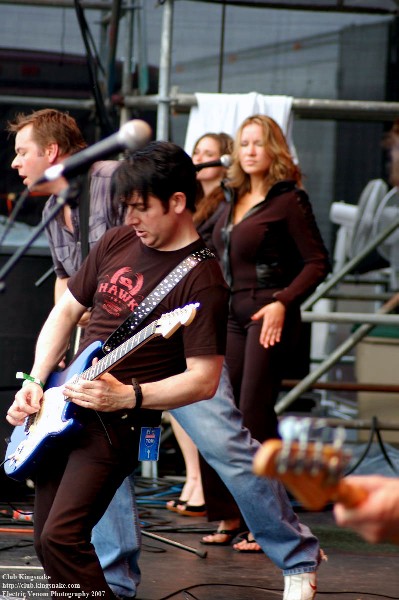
<point>355,570</point>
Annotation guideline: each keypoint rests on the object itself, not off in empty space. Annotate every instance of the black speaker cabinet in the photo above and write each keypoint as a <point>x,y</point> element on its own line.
<point>24,306</point>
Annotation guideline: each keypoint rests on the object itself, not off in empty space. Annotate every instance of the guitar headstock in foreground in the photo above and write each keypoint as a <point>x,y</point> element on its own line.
<point>169,322</point>
<point>311,471</point>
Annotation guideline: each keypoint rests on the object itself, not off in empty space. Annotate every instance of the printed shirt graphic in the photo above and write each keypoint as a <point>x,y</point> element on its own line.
<point>121,291</point>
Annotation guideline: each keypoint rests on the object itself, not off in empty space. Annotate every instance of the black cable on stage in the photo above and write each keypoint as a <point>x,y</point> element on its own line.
<point>152,549</point>
<point>146,501</point>
<point>159,483</point>
<point>28,510</point>
<point>19,544</point>
<point>187,595</point>
<point>155,496</point>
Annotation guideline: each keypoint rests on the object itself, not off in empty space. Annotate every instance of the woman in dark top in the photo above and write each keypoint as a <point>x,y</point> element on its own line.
<point>211,193</point>
<point>273,257</point>
<point>210,202</point>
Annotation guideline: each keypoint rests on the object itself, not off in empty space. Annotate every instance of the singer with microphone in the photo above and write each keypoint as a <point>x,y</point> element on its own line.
<point>49,151</point>
<point>211,157</point>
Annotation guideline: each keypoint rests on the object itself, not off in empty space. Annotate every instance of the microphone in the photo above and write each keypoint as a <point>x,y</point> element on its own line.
<point>132,135</point>
<point>224,161</point>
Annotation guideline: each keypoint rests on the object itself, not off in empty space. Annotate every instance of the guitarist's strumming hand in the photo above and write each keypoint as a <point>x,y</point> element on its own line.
<point>105,394</point>
<point>27,402</point>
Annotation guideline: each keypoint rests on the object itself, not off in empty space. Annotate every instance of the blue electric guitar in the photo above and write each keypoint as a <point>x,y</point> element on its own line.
<point>58,416</point>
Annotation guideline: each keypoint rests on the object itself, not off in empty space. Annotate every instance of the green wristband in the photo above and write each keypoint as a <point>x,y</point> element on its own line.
<point>29,379</point>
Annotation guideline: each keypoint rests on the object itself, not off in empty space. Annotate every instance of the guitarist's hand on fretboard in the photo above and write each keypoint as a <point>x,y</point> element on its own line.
<point>105,394</point>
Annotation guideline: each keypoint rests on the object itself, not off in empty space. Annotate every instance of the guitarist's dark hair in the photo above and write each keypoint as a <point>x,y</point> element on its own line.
<point>159,169</point>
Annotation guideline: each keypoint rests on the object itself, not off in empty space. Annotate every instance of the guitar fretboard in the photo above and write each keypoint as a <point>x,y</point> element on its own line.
<point>111,359</point>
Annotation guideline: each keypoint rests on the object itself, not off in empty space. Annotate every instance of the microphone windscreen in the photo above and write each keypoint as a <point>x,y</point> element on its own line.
<point>135,134</point>
<point>226,160</point>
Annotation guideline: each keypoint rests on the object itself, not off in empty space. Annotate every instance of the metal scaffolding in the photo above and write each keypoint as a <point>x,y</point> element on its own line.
<point>167,99</point>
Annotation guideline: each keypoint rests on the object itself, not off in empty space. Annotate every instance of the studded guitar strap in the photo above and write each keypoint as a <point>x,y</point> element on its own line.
<point>141,311</point>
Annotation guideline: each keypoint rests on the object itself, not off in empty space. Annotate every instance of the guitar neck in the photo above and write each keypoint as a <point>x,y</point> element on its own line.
<point>119,353</point>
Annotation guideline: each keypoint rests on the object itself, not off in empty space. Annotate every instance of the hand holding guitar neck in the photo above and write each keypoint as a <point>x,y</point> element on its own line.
<point>311,471</point>
<point>314,473</point>
<point>377,518</point>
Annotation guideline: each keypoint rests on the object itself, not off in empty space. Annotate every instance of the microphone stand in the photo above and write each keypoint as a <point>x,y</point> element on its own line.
<point>67,196</point>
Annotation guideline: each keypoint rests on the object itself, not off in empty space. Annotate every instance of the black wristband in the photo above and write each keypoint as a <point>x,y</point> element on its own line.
<point>138,392</point>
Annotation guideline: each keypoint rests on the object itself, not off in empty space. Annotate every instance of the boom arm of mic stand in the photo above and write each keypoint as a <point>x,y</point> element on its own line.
<point>64,197</point>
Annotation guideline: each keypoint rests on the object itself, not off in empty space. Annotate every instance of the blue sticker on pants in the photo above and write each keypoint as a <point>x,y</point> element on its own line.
<point>150,439</point>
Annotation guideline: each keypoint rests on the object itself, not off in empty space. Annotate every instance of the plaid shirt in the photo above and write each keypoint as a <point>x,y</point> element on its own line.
<point>65,245</point>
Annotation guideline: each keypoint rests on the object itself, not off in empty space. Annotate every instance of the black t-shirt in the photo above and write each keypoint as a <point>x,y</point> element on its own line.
<point>120,272</point>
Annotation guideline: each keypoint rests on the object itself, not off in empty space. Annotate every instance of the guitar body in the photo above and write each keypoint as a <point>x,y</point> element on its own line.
<point>56,417</point>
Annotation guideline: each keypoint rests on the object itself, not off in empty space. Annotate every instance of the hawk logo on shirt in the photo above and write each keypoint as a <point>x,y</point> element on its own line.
<point>120,291</point>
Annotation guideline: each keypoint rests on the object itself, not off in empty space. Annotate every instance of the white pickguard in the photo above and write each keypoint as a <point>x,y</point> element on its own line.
<point>49,421</point>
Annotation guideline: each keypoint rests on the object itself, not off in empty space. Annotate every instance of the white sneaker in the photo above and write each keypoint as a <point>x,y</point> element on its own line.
<point>302,586</point>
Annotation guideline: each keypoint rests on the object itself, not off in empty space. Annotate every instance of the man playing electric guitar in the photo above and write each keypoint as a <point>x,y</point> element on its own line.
<point>75,482</point>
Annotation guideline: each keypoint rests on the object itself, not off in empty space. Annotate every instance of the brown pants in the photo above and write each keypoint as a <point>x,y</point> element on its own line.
<point>74,485</point>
